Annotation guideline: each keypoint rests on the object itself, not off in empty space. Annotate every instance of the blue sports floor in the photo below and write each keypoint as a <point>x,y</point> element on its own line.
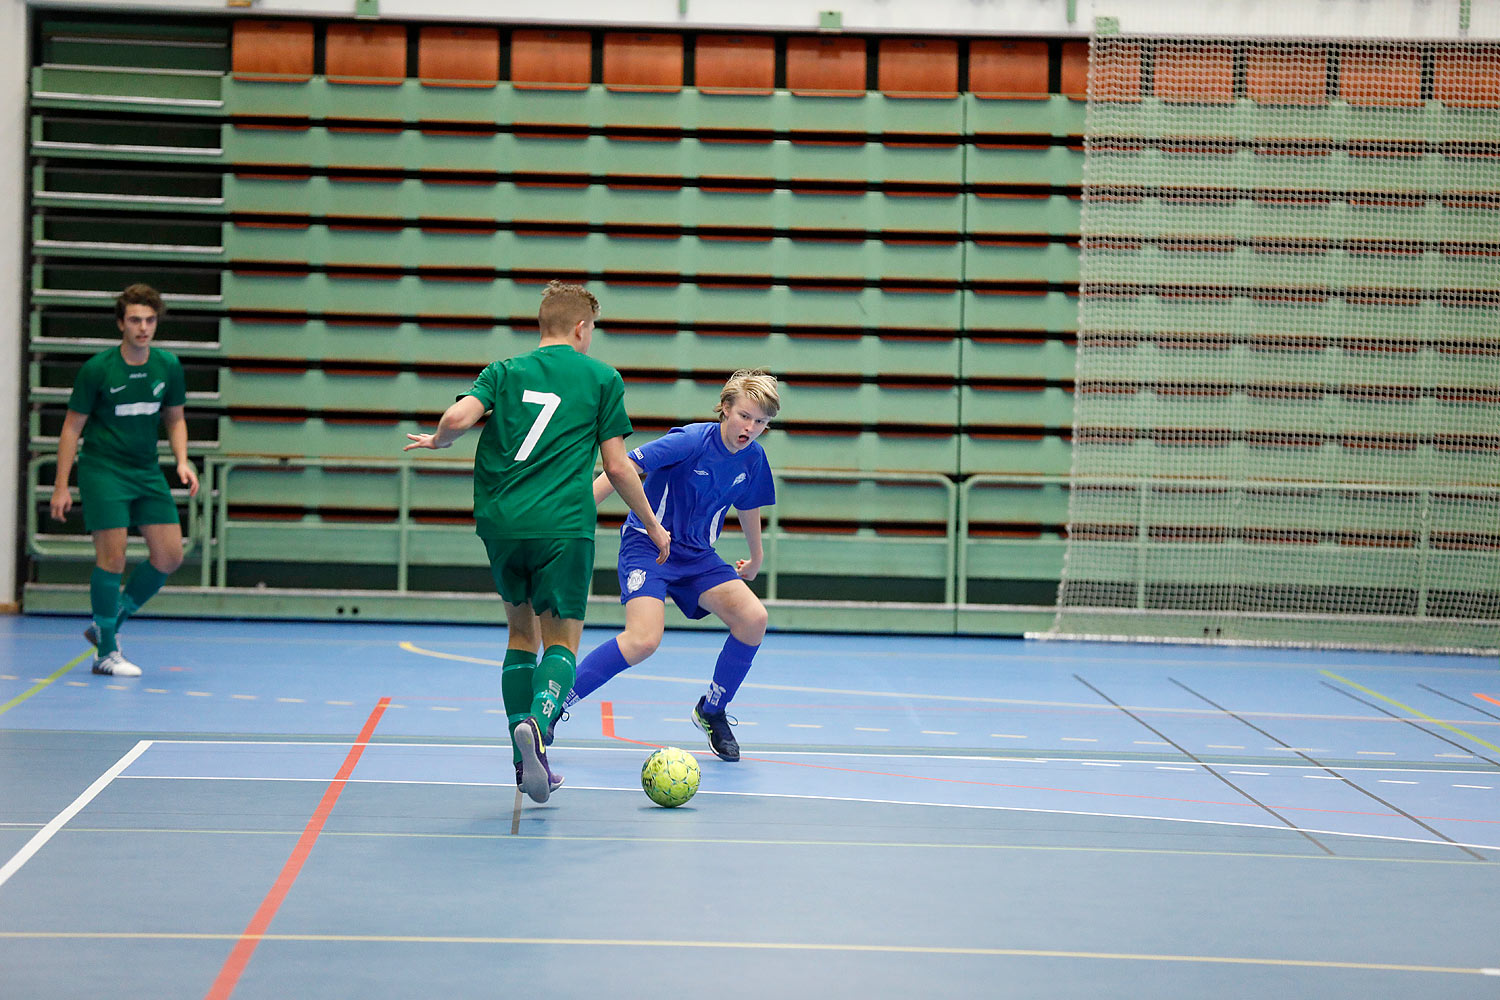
<point>328,810</point>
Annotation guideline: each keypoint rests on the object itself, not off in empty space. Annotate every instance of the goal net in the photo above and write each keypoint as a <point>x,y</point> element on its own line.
<point>1286,424</point>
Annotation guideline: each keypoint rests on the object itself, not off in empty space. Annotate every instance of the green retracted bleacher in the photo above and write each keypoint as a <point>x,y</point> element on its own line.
<point>349,220</point>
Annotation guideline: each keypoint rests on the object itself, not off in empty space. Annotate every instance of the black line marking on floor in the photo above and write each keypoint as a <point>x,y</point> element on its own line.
<point>1348,781</point>
<point>1207,767</point>
<point>1415,725</point>
<point>1458,701</point>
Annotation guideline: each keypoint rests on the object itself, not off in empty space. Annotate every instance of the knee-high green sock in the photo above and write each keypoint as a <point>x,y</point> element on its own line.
<point>551,683</point>
<point>515,688</point>
<point>104,604</point>
<point>140,588</point>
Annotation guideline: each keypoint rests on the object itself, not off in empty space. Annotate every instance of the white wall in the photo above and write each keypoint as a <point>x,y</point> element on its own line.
<point>13,63</point>
<point>1361,18</point>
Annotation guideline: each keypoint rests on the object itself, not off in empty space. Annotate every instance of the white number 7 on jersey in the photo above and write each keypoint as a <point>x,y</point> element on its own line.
<point>548,401</point>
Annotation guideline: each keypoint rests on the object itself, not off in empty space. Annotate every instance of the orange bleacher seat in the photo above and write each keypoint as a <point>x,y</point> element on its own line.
<point>1194,74</point>
<point>458,57</point>
<point>918,67</point>
<point>1467,76</point>
<point>275,51</point>
<point>1074,81</point>
<point>1012,70</point>
<point>366,53</point>
<point>551,60</point>
<point>826,67</point>
<point>735,64</point>
<point>1381,76</point>
<point>1287,75</point>
<point>650,61</point>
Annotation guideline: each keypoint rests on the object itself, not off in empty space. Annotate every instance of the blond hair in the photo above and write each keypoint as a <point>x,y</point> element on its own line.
<point>564,306</point>
<point>755,384</point>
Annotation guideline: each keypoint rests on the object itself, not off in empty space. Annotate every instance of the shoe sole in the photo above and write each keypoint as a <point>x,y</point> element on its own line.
<point>535,781</point>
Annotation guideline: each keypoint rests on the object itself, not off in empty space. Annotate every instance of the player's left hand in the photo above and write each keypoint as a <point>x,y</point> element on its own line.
<point>423,441</point>
<point>188,475</point>
<point>747,569</point>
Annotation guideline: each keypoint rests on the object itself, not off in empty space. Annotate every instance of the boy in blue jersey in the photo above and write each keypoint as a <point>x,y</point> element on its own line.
<point>694,474</point>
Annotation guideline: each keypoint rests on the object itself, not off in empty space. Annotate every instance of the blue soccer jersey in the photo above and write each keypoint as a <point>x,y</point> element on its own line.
<point>692,480</point>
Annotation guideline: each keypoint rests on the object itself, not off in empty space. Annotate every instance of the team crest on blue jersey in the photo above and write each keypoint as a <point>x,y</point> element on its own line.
<point>635,580</point>
<point>738,479</point>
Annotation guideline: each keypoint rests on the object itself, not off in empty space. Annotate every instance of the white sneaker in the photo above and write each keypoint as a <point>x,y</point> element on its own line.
<point>116,664</point>
<point>92,635</point>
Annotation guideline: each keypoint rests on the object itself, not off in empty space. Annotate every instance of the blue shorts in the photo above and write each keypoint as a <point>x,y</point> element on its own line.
<point>682,578</point>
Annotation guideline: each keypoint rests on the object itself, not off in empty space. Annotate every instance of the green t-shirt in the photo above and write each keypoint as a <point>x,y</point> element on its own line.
<point>124,404</point>
<point>534,466</point>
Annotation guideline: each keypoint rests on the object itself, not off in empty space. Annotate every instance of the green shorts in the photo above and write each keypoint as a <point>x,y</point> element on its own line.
<point>116,497</point>
<point>550,574</point>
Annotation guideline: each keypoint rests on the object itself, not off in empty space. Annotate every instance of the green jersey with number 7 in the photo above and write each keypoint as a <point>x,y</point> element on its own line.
<point>534,465</point>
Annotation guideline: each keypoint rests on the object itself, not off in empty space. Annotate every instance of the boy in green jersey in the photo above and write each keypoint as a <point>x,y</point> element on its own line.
<point>121,395</point>
<point>550,411</point>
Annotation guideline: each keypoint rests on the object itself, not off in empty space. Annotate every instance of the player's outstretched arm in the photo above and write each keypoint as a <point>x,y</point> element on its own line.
<point>625,476</point>
<point>455,420</point>
<point>750,524</point>
<point>67,452</point>
<point>603,487</point>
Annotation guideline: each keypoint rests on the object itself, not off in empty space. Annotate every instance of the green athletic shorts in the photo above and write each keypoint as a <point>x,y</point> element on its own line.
<point>550,574</point>
<point>115,497</point>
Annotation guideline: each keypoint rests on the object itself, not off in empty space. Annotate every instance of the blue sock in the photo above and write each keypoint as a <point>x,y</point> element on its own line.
<point>729,672</point>
<point>599,666</point>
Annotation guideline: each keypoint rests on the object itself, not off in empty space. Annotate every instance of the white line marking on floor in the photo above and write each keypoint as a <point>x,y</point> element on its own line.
<point>46,833</point>
<point>291,701</point>
<point>350,703</point>
<point>199,694</point>
<point>797,725</point>
<point>1224,746</point>
<point>1150,743</point>
<point>1378,753</point>
<point>1456,756</point>
<point>1097,763</point>
<point>1323,777</point>
<point>870,729</point>
<point>1080,739</point>
<point>1258,774</point>
<point>443,708</point>
<point>117,687</point>
<point>1166,767</point>
<point>156,690</point>
<point>937,732</point>
<point>1007,736</point>
<point>244,697</point>
<point>9,677</point>
<point>78,684</point>
<point>1481,787</point>
<point>1394,781</point>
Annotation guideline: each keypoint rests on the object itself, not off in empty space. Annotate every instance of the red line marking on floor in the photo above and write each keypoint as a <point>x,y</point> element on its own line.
<point>234,966</point>
<point>1485,697</point>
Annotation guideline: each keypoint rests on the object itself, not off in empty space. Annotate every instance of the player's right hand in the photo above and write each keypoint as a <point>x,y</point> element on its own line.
<point>663,540</point>
<point>62,502</point>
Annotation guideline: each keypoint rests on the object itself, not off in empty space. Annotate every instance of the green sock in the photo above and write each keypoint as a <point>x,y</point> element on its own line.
<point>551,683</point>
<point>104,604</point>
<point>515,688</point>
<point>140,588</point>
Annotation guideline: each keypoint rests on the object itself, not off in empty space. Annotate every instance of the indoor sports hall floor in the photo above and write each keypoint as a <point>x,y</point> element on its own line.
<point>328,810</point>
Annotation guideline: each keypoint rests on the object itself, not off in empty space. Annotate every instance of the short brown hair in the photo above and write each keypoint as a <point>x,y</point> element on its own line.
<point>755,384</point>
<point>564,306</point>
<point>139,295</point>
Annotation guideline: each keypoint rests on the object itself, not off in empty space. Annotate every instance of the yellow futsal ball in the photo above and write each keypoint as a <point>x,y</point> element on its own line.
<point>670,776</point>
